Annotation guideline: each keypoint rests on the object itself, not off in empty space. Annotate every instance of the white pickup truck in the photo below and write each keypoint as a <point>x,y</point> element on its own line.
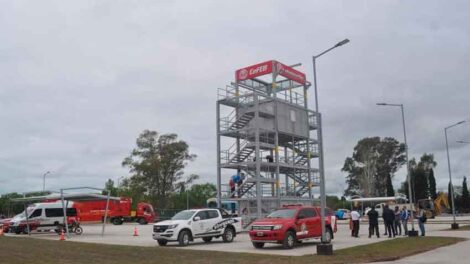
<point>188,225</point>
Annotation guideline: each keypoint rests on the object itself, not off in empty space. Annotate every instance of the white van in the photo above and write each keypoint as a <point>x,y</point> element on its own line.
<point>42,217</point>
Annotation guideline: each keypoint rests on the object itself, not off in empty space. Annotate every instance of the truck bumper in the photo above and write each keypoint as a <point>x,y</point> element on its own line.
<point>266,236</point>
<point>169,236</point>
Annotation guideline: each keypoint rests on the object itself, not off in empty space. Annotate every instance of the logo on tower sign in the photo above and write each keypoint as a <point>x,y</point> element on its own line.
<point>243,74</point>
<point>254,71</point>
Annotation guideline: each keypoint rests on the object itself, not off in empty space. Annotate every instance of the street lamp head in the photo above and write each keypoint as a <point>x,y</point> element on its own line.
<point>381,104</point>
<point>461,122</point>
<point>341,43</point>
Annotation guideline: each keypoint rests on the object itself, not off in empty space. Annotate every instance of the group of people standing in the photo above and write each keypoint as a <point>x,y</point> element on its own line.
<point>393,221</point>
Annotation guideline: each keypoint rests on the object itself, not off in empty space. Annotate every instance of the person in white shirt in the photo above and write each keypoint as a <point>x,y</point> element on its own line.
<point>355,216</point>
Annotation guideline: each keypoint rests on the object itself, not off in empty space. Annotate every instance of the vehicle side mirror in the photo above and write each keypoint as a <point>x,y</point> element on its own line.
<point>197,218</point>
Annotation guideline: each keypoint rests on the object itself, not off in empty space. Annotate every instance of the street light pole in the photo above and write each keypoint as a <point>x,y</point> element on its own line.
<point>454,225</point>
<point>408,175</point>
<point>44,181</point>
<point>326,248</point>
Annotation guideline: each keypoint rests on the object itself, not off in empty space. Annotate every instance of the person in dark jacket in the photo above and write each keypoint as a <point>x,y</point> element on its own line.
<point>373,222</point>
<point>389,219</point>
<point>397,223</point>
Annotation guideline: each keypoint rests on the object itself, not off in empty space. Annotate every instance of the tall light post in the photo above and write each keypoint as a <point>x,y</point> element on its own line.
<point>44,181</point>
<point>325,248</point>
<point>454,225</point>
<point>408,176</point>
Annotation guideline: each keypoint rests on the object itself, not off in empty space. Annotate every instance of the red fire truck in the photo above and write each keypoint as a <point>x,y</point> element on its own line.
<point>118,211</point>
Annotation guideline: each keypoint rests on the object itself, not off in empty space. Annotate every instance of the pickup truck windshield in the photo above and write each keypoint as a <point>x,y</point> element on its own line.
<point>284,213</point>
<point>183,215</point>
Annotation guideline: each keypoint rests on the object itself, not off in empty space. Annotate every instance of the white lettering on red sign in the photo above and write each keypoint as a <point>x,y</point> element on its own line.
<point>290,73</point>
<point>259,69</point>
<point>254,71</point>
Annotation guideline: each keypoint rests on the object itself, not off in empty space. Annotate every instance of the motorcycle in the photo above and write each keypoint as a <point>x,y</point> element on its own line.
<point>74,227</point>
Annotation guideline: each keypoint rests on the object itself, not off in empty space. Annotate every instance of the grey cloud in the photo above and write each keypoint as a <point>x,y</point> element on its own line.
<point>80,80</point>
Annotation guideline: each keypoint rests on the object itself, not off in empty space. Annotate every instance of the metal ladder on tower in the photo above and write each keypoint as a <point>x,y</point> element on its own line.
<point>245,151</point>
<point>242,121</point>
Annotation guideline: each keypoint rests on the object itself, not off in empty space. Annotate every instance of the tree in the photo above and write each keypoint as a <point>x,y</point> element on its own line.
<point>352,181</point>
<point>428,163</point>
<point>109,186</point>
<point>9,208</point>
<point>449,195</point>
<point>465,200</point>
<point>390,190</point>
<point>197,196</point>
<point>432,184</point>
<point>157,165</point>
<point>423,183</point>
<point>372,166</point>
<point>419,182</point>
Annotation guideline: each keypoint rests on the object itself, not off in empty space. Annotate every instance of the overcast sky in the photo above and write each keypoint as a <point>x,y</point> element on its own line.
<point>79,80</point>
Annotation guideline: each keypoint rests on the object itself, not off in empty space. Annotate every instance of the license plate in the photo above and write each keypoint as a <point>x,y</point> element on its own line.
<point>260,234</point>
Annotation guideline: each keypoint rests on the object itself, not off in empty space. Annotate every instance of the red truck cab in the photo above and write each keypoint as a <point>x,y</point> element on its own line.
<point>291,224</point>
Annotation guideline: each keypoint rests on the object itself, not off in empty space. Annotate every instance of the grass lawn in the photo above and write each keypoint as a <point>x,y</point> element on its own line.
<point>38,251</point>
<point>461,228</point>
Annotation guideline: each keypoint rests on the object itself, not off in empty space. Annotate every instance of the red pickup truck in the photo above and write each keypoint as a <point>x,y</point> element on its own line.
<point>291,224</point>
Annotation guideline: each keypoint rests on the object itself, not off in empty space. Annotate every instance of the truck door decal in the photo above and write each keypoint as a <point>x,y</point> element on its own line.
<point>303,230</point>
<point>222,224</point>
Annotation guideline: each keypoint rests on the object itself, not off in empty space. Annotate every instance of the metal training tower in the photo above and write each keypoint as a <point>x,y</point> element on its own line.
<point>264,131</point>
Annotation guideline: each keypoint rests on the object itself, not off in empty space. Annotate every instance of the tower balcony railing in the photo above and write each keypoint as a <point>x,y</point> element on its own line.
<point>267,190</point>
<point>230,93</point>
<point>291,97</point>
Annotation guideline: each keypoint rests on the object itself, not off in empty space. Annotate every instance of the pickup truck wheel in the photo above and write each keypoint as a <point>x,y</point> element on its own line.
<point>116,221</point>
<point>207,239</point>
<point>328,235</point>
<point>258,244</point>
<point>183,238</point>
<point>289,240</point>
<point>142,221</point>
<point>25,230</point>
<point>17,231</point>
<point>162,242</point>
<point>228,235</point>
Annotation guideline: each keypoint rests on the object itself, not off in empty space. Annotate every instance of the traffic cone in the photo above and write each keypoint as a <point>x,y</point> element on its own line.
<point>62,237</point>
<point>136,233</point>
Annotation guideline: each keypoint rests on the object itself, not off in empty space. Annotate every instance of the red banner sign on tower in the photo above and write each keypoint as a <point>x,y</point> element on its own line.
<point>290,73</point>
<point>254,71</point>
<point>267,67</point>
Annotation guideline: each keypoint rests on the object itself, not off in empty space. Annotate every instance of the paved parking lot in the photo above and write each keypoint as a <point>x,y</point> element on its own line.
<point>123,235</point>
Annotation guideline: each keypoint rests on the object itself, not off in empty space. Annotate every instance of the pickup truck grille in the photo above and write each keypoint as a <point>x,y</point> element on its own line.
<point>262,227</point>
<point>160,228</point>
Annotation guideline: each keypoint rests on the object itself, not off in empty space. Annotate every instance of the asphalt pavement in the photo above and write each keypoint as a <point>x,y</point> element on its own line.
<point>123,235</point>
